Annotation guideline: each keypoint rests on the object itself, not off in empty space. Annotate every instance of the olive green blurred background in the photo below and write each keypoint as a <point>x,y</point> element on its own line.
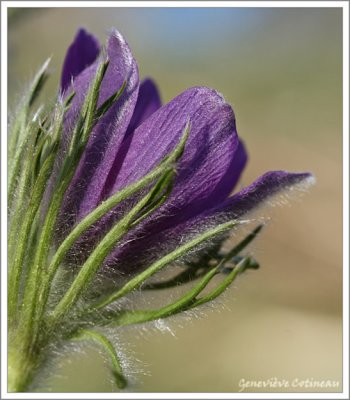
<point>281,69</point>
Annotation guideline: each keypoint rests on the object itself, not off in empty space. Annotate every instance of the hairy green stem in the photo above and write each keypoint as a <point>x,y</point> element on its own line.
<point>185,302</point>
<point>224,285</point>
<point>22,366</point>
<point>198,269</point>
<point>158,265</point>
<point>140,316</point>
<point>17,140</point>
<point>30,317</point>
<point>23,237</point>
<point>94,261</point>
<point>107,346</point>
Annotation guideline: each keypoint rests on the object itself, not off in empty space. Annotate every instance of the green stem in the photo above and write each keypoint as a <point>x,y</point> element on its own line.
<point>21,367</point>
<point>224,284</point>
<point>198,269</point>
<point>158,265</point>
<point>87,118</point>
<point>140,316</point>
<point>24,361</point>
<point>23,237</point>
<point>17,142</point>
<point>186,302</point>
<point>17,180</point>
<point>21,185</point>
<point>92,264</point>
<point>88,334</point>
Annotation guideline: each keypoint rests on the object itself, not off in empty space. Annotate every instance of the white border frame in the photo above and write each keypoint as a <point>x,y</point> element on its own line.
<point>344,5</point>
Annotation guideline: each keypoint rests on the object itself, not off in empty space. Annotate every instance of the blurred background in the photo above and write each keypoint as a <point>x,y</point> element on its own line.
<point>281,69</point>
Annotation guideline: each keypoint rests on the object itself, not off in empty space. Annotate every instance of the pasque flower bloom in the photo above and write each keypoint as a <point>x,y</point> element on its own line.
<point>134,136</point>
<point>115,179</point>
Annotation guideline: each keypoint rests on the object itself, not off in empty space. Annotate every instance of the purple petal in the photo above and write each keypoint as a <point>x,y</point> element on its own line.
<point>263,189</point>
<point>230,178</point>
<point>80,54</point>
<point>136,254</point>
<point>108,133</point>
<point>230,172</point>
<point>209,150</point>
<point>148,102</point>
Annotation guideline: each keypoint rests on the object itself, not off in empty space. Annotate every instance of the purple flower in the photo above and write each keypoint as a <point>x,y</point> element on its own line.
<point>134,136</point>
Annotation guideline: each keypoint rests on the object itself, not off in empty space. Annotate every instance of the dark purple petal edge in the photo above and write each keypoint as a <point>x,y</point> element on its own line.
<point>80,54</point>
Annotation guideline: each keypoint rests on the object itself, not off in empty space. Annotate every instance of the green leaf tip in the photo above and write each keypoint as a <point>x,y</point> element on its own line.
<point>109,349</point>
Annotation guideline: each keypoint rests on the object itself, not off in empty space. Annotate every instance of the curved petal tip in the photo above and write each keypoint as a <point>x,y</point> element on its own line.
<point>80,54</point>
